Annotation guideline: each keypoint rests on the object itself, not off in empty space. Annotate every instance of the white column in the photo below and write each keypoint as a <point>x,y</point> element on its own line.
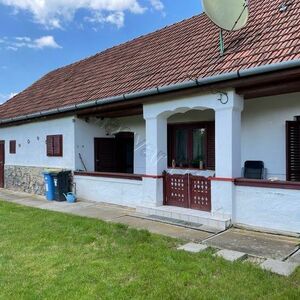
<point>228,153</point>
<point>156,159</point>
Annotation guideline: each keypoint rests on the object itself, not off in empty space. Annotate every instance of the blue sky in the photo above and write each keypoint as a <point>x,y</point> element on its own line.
<point>38,36</point>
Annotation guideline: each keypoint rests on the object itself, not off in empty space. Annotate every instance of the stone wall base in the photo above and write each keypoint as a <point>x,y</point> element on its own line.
<point>24,179</point>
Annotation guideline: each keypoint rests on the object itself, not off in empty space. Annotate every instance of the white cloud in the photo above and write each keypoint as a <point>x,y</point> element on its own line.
<point>5,97</point>
<point>54,13</point>
<point>45,42</point>
<point>116,18</point>
<point>26,42</point>
<point>157,4</point>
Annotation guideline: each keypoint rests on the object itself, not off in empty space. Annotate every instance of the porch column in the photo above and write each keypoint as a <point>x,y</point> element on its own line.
<point>228,153</point>
<point>156,158</point>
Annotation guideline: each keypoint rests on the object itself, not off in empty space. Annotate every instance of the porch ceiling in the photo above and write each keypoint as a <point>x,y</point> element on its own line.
<point>103,112</point>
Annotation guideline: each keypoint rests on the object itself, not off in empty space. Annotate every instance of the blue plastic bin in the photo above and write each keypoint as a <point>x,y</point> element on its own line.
<point>49,186</point>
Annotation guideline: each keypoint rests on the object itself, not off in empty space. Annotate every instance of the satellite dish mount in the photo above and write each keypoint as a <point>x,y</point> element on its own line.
<point>228,15</point>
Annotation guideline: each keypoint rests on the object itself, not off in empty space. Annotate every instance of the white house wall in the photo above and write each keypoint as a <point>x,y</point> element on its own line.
<point>85,132</point>
<point>264,133</point>
<point>31,143</point>
<point>276,209</point>
<point>110,190</point>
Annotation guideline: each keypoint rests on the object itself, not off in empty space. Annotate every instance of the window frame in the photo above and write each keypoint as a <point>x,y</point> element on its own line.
<point>12,147</point>
<point>207,125</point>
<point>54,145</point>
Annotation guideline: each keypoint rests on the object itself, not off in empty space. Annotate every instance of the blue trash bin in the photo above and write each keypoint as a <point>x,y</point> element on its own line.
<point>49,186</point>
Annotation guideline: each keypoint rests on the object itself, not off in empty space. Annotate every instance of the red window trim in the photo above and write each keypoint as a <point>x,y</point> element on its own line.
<point>12,147</point>
<point>172,145</point>
<point>54,145</point>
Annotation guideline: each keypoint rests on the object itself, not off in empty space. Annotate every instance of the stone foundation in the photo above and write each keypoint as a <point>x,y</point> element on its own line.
<point>24,179</point>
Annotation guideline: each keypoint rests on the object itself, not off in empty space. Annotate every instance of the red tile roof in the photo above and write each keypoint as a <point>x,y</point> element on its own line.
<point>180,52</point>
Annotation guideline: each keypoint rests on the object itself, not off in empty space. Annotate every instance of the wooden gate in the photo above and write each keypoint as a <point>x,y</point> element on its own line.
<point>187,191</point>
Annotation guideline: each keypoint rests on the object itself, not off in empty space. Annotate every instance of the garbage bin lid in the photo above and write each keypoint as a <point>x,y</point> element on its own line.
<point>51,171</point>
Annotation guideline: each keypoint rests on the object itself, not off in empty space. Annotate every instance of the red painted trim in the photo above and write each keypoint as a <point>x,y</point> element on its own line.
<point>286,185</point>
<point>153,176</point>
<point>118,175</point>
<point>222,179</point>
<point>111,175</point>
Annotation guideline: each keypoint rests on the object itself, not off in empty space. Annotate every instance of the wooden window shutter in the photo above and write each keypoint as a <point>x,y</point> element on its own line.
<point>57,145</point>
<point>54,145</point>
<point>211,148</point>
<point>293,150</point>
<point>12,147</point>
<point>49,144</point>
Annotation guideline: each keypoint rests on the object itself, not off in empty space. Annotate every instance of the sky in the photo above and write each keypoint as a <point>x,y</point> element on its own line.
<point>37,36</point>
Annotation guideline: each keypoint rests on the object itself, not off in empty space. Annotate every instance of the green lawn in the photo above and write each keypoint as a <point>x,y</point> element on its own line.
<point>47,255</point>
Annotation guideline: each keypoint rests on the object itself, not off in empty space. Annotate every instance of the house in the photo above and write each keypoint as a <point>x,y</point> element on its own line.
<point>165,124</point>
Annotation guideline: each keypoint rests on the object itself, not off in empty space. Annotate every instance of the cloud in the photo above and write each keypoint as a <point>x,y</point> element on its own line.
<point>54,13</point>
<point>116,18</point>
<point>5,97</point>
<point>16,43</point>
<point>45,42</point>
<point>157,4</point>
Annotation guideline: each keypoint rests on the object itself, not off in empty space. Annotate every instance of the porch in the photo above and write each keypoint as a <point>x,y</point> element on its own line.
<point>186,157</point>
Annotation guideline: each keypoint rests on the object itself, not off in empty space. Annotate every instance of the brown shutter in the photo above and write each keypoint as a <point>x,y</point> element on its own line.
<point>211,151</point>
<point>12,147</point>
<point>293,150</point>
<point>49,143</point>
<point>57,145</point>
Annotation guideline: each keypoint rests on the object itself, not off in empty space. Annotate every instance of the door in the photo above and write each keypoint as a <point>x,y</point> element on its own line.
<point>187,191</point>
<point>125,152</point>
<point>2,162</point>
<point>105,153</point>
<point>293,150</point>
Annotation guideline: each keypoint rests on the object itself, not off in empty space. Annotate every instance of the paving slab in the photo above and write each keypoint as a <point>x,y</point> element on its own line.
<point>279,267</point>
<point>193,247</point>
<point>295,258</point>
<point>164,229</point>
<point>231,255</point>
<point>255,243</point>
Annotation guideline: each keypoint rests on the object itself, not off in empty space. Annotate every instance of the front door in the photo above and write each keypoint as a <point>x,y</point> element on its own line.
<point>105,153</point>
<point>2,162</point>
<point>125,152</point>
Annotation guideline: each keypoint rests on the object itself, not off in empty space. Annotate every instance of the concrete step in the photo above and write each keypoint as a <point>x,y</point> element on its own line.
<point>187,215</point>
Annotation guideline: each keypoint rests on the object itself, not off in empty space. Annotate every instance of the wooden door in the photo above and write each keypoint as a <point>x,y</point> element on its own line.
<point>187,191</point>
<point>2,162</point>
<point>105,154</point>
<point>293,150</point>
<point>125,152</point>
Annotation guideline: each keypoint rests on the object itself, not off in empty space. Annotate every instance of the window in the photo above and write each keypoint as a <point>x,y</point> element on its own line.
<point>12,147</point>
<point>54,145</point>
<point>192,145</point>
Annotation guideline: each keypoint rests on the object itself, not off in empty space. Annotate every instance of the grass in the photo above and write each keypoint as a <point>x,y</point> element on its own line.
<point>48,255</point>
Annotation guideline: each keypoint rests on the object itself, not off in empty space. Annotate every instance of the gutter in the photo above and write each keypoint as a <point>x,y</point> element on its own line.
<point>162,90</point>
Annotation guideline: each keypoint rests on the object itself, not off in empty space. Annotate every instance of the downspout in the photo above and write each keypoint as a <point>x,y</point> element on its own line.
<point>242,73</point>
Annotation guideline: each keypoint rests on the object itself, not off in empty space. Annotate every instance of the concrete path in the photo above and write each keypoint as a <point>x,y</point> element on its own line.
<point>107,212</point>
<point>256,245</point>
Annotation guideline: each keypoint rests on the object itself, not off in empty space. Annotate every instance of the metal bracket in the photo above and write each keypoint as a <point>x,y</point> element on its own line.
<point>222,96</point>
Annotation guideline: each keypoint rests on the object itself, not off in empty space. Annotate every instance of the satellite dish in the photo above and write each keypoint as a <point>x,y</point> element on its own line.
<point>227,14</point>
